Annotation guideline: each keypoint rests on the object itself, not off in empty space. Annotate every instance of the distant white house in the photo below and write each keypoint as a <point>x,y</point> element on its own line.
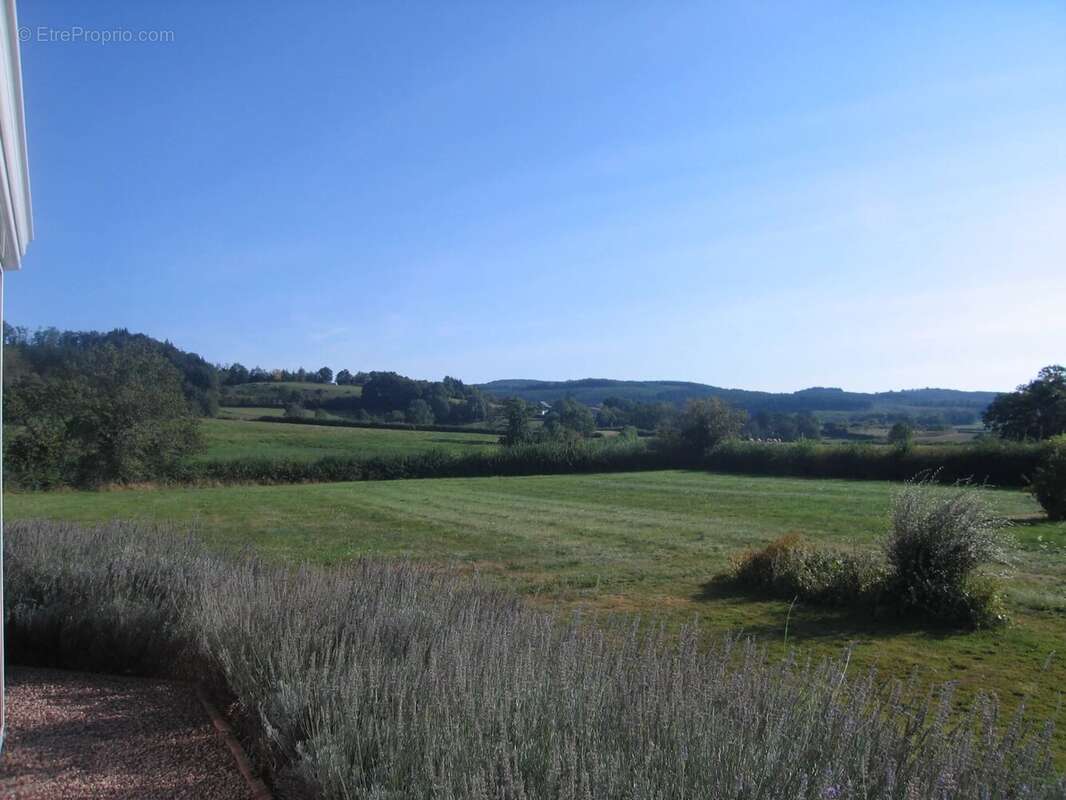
<point>16,220</point>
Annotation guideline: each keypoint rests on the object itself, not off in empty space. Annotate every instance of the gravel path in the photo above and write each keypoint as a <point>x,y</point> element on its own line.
<point>77,736</point>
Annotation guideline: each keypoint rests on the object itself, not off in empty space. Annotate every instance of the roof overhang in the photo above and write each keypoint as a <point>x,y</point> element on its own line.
<point>16,216</point>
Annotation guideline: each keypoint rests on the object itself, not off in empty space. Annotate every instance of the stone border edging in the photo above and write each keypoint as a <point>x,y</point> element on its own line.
<point>255,784</point>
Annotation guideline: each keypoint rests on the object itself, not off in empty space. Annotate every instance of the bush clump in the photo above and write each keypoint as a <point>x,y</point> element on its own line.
<point>937,542</point>
<point>1048,484</point>
<point>792,567</point>
<point>387,680</point>
<point>939,539</point>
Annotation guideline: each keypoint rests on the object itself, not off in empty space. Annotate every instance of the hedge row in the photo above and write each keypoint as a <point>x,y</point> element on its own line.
<point>534,459</point>
<point>996,464</point>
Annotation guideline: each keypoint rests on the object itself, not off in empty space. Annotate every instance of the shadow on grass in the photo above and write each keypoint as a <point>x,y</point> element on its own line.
<point>810,621</point>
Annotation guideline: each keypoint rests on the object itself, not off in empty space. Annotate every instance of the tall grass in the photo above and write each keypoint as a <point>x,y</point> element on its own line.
<point>385,680</point>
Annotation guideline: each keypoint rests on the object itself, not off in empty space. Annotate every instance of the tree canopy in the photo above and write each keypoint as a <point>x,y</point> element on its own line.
<point>1036,410</point>
<point>110,414</point>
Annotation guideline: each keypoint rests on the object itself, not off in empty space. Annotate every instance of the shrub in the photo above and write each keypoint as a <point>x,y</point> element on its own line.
<point>1048,483</point>
<point>937,542</point>
<point>791,567</point>
<point>384,680</point>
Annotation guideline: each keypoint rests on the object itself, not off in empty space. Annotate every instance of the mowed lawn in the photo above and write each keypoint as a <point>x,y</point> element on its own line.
<point>229,439</point>
<point>648,543</point>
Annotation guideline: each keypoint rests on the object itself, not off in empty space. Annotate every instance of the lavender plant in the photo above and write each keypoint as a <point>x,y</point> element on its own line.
<point>390,680</point>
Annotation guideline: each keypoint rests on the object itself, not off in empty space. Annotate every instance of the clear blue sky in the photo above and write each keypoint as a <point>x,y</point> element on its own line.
<point>866,195</point>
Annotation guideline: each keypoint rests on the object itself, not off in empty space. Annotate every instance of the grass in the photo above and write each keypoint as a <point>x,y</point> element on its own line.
<point>230,439</point>
<point>648,543</point>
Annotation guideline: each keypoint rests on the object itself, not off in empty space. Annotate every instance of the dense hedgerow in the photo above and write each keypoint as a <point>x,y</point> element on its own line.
<point>1001,464</point>
<point>386,680</point>
<point>548,458</point>
<point>938,540</point>
<point>995,462</point>
<point>1048,484</point>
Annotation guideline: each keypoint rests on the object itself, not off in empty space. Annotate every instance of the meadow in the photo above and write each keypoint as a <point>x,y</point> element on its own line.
<point>232,439</point>
<point>647,543</point>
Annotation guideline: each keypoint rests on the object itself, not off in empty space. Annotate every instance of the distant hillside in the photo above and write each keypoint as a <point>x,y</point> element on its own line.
<point>592,391</point>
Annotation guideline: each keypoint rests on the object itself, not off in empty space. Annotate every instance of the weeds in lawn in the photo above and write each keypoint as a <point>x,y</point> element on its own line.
<point>386,680</point>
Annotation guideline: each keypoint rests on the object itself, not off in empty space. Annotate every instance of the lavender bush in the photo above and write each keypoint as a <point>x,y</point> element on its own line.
<point>386,680</point>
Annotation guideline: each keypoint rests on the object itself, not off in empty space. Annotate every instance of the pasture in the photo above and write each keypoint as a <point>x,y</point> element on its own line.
<point>642,543</point>
<point>230,439</point>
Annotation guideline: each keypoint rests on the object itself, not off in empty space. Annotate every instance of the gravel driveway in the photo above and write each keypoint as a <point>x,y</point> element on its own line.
<point>77,736</point>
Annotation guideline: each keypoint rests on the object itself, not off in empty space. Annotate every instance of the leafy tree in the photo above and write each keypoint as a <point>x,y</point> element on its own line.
<point>706,422</point>
<point>419,412</point>
<point>1036,410</point>
<point>516,412</point>
<point>236,374</point>
<point>474,408</point>
<point>324,375</point>
<point>387,391</point>
<point>901,435</point>
<point>115,414</point>
<point>807,426</point>
<point>344,378</point>
<point>440,405</point>
<point>570,414</point>
<point>608,417</point>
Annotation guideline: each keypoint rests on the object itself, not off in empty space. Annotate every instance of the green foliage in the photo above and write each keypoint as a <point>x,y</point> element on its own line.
<point>901,435</point>
<point>792,567</point>
<point>988,461</point>
<point>570,415</point>
<point>295,411</point>
<point>1036,410</point>
<point>937,542</point>
<point>1048,484</point>
<point>705,423</point>
<point>49,353</point>
<point>523,458</point>
<point>112,415</point>
<point>419,413</point>
<point>516,413</point>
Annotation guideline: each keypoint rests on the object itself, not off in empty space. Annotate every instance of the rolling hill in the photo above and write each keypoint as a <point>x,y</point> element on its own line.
<point>592,391</point>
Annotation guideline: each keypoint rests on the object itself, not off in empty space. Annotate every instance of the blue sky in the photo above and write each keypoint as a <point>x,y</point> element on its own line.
<point>756,195</point>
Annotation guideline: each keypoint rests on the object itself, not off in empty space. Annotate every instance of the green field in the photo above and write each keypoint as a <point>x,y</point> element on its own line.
<point>639,542</point>
<point>249,412</point>
<point>229,439</point>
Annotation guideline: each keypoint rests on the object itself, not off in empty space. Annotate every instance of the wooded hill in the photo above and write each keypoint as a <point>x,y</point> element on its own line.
<point>965,407</point>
